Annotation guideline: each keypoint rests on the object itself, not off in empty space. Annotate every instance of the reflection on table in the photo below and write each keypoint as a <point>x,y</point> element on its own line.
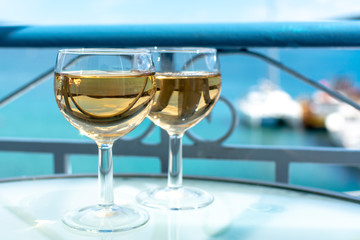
<point>32,209</point>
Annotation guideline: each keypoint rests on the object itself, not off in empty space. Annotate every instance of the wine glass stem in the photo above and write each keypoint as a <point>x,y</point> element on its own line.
<point>105,175</point>
<point>175,161</point>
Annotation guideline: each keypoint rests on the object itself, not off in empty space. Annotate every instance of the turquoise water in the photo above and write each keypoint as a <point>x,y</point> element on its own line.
<point>35,115</point>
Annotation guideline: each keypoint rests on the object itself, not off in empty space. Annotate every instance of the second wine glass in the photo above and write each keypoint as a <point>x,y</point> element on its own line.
<point>188,86</point>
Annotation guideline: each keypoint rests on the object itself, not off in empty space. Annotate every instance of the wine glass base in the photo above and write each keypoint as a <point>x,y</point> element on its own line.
<point>100,219</point>
<point>184,198</point>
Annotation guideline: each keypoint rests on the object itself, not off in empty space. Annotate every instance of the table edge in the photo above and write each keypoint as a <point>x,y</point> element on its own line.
<point>297,188</point>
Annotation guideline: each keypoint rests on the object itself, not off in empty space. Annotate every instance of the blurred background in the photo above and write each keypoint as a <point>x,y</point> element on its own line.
<point>162,11</point>
<point>246,81</point>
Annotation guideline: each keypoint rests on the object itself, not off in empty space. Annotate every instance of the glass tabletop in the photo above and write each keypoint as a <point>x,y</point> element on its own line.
<point>32,209</point>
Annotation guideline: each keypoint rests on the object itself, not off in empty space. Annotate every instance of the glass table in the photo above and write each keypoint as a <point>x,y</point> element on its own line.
<point>32,209</point>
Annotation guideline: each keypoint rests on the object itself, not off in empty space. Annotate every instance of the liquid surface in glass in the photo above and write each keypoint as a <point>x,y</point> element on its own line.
<point>183,99</point>
<point>104,105</point>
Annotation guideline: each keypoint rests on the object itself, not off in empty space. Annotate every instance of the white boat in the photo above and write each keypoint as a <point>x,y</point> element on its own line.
<point>318,107</point>
<point>321,105</point>
<point>343,127</point>
<point>267,104</point>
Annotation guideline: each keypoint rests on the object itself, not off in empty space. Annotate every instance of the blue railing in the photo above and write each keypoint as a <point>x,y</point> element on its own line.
<point>308,34</point>
<point>227,38</point>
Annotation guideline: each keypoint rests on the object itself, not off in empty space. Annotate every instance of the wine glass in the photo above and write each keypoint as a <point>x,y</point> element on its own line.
<point>188,84</point>
<point>105,94</point>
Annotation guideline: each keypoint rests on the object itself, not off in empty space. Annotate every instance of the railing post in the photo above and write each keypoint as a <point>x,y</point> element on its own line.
<point>61,163</point>
<point>282,172</point>
<point>164,154</point>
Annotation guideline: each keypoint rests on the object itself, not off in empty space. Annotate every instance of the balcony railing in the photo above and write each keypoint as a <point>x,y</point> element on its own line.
<point>227,38</point>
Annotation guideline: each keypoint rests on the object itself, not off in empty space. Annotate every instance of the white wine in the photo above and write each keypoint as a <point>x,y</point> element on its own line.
<point>104,105</point>
<point>183,99</point>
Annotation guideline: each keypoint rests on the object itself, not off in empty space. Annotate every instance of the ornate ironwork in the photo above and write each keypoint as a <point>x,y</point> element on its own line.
<point>234,122</point>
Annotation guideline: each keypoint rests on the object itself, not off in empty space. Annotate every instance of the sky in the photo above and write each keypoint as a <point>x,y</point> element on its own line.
<point>99,12</point>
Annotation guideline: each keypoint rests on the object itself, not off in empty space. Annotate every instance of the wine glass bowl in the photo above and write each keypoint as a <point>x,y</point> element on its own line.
<point>188,82</point>
<point>105,94</point>
<point>107,103</point>
<point>186,99</point>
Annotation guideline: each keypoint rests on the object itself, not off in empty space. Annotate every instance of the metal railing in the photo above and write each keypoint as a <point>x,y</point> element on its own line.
<point>277,34</point>
<point>227,38</point>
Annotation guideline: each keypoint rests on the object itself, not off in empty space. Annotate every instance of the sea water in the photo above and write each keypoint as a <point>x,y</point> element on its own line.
<point>35,115</point>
